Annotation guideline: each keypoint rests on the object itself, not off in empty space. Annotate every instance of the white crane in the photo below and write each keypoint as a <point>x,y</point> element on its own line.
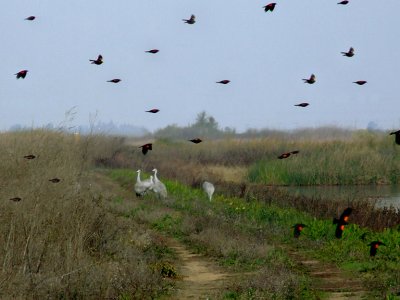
<point>209,188</point>
<point>159,187</point>
<point>141,187</point>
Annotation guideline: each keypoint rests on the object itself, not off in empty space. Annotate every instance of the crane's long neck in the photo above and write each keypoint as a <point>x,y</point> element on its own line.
<point>138,177</point>
<point>155,176</point>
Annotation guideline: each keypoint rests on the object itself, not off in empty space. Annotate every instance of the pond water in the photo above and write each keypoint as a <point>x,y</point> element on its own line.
<point>382,195</point>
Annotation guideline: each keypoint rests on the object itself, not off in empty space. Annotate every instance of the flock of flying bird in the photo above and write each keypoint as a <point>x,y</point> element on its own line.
<point>155,185</point>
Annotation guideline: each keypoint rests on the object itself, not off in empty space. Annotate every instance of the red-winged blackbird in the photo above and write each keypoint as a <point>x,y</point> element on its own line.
<point>154,51</point>
<point>374,247</point>
<point>349,53</point>
<point>192,20</point>
<point>55,180</point>
<point>225,81</point>
<point>154,110</point>
<point>21,74</point>
<point>310,80</point>
<point>30,18</point>
<point>287,154</point>
<point>297,229</point>
<point>146,148</point>
<point>342,221</point>
<point>360,82</point>
<point>15,199</point>
<point>343,2</point>
<point>269,7</point>
<point>114,80</point>
<point>97,61</point>
<point>196,141</point>
<point>30,156</point>
<point>397,136</point>
<point>295,152</point>
<point>303,104</point>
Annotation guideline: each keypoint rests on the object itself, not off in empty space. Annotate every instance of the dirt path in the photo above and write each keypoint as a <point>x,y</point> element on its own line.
<point>201,277</point>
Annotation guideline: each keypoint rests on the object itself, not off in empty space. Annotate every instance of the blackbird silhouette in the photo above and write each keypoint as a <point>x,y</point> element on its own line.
<point>196,140</point>
<point>303,104</point>
<point>349,53</point>
<point>397,136</point>
<point>310,80</point>
<point>97,61</point>
<point>153,111</point>
<point>55,180</point>
<point>269,7</point>
<point>114,80</point>
<point>342,221</point>
<point>15,199</point>
<point>343,2</point>
<point>192,20</point>
<point>153,51</point>
<point>374,247</point>
<point>225,81</point>
<point>146,148</point>
<point>298,229</point>
<point>21,74</point>
<point>30,18</point>
<point>287,154</point>
<point>30,156</point>
<point>360,82</point>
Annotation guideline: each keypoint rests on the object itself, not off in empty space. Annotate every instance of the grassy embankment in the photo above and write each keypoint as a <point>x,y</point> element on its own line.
<point>248,235</point>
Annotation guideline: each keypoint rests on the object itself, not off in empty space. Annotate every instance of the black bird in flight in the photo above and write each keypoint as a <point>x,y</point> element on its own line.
<point>287,154</point>
<point>397,136</point>
<point>15,199</point>
<point>55,180</point>
<point>344,2</point>
<point>114,80</point>
<point>21,74</point>
<point>360,82</point>
<point>342,221</point>
<point>30,156</point>
<point>310,80</point>
<point>153,51</point>
<point>146,148</point>
<point>225,81</point>
<point>303,104</point>
<point>196,140</point>
<point>30,18</point>
<point>192,20</point>
<point>269,7</point>
<point>153,111</point>
<point>298,229</point>
<point>349,53</point>
<point>97,61</point>
<point>374,247</point>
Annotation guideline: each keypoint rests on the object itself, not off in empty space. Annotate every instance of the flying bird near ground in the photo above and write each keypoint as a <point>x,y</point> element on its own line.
<point>225,81</point>
<point>342,221</point>
<point>349,53</point>
<point>269,7</point>
<point>146,148</point>
<point>360,82</point>
<point>297,229</point>
<point>374,247</point>
<point>287,154</point>
<point>303,104</point>
<point>55,180</point>
<point>397,136</point>
<point>30,18</point>
<point>192,20</point>
<point>114,80</point>
<point>30,156</point>
<point>98,60</point>
<point>15,199</point>
<point>343,2</point>
<point>153,51</point>
<point>21,74</point>
<point>153,111</point>
<point>310,80</point>
<point>196,141</point>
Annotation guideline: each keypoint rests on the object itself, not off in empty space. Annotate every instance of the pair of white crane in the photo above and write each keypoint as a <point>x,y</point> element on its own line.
<point>151,184</point>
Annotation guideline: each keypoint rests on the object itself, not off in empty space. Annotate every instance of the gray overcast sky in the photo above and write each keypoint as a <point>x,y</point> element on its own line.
<point>265,55</point>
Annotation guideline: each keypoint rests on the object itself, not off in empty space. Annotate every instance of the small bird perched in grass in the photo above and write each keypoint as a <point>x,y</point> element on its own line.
<point>303,104</point>
<point>397,136</point>
<point>374,247</point>
<point>269,7</point>
<point>349,53</point>
<point>196,140</point>
<point>225,81</point>
<point>310,80</point>
<point>146,148</point>
<point>298,228</point>
<point>360,82</point>
<point>342,221</point>
<point>21,74</point>
<point>98,60</point>
<point>191,21</point>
